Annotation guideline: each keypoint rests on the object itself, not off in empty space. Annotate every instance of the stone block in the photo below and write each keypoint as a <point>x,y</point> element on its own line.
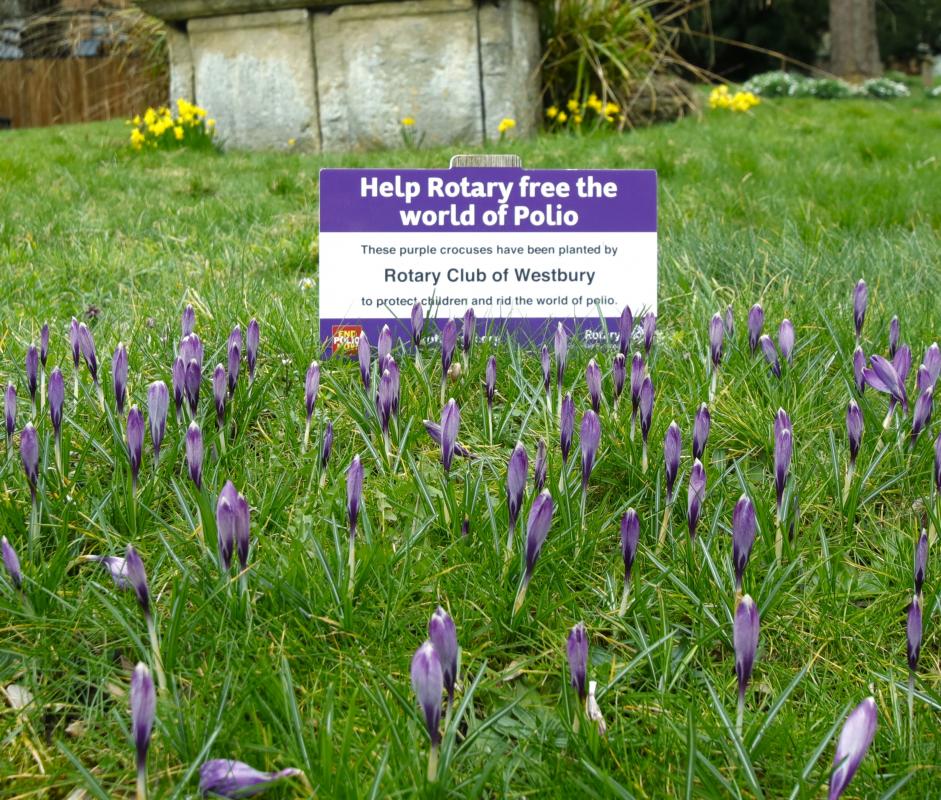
<point>181,66</point>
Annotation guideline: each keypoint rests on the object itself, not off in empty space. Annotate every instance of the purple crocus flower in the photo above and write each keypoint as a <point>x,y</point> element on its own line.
<point>443,636</point>
<point>418,324</point>
<point>135,441</point>
<point>354,493</point>
<point>649,325</point>
<point>191,382</point>
<point>783,446</point>
<point>158,402</point>
<point>327,445</point>
<point>637,380</point>
<point>434,431</point>
<point>854,429</point>
<point>87,344</point>
<point>786,339</point>
<point>630,536</point>
<point>729,321</point>
<point>517,472</point>
<point>902,361</point>
<point>194,454</point>
<point>469,330</point>
<point>29,454</point>
<point>566,426</point>
<point>233,363</point>
<point>883,377</point>
<point>540,466</point>
<point>311,388</point>
<point>364,355</point>
<point>191,349</point>
<point>537,528</point>
<point>56,400</point>
<point>922,414</point>
<point>895,331</point>
<point>593,379</point>
<point>218,393</point>
<point>12,563</point>
<point>119,376</point>
<point>243,540</point>
<point>860,300</point>
<point>646,413</point>
<point>858,732</point>
<point>771,355</point>
<point>9,411</point>
<point>922,380</point>
<point>178,380</point>
<point>187,321</point>
<point>450,422</point>
<point>913,631</point>
<point>545,362</point>
<point>589,440</point>
<point>225,524</point>
<point>745,638</point>
<point>383,345</point>
<point>932,363</point>
<point>576,648</point>
<point>672,447</point>
<point>143,711</point>
<point>117,569</point>
<point>744,527</point>
<point>448,343</point>
<point>756,321</point>
<point>716,337</point>
<point>490,380</point>
<point>32,372</point>
<point>75,342</point>
<point>223,777</point>
<point>619,374</point>
<point>859,369</point>
<point>384,400</point>
<point>44,344</point>
<point>625,330</point>
<point>702,422</point>
<point>561,343</point>
<point>428,683</point>
<point>921,561</point>
<point>695,495</point>
<point>137,577</point>
<point>252,338</point>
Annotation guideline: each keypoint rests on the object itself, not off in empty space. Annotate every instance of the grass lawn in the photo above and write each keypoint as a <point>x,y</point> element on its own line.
<point>787,206</point>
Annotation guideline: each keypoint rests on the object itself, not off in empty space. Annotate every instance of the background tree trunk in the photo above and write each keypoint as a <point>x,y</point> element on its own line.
<point>854,48</point>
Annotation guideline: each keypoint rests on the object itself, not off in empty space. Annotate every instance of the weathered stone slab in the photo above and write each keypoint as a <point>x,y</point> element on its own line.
<point>181,66</point>
<point>254,73</point>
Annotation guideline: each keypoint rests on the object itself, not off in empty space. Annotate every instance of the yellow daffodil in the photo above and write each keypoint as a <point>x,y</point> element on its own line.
<point>178,133</point>
<point>577,119</point>
<point>408,122</point>
<point>506,124</point>
<point>552,112</point>
<point>572,105</point>
<point>562,116</point>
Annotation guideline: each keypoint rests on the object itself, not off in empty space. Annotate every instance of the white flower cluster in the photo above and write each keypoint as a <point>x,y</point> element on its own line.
<point>788,84</point>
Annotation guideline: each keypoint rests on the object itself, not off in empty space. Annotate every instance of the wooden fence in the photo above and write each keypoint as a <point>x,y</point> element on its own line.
<point>50,91</point>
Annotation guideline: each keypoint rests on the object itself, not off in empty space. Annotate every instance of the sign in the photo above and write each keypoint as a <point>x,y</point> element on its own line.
<point>524,248</point>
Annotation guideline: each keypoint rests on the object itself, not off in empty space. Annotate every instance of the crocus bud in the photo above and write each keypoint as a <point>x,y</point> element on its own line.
<point>194,376</point>
<point>923,380</point>
<point>672,447</point>
<point>418,324</point>
<point>895,330</point>
<point>223,777</point>
<point>561,343</point>
<point>74,341</point>
<point>771,355</point>
<point>540,466</point>
<point>902,361</point>
<point>225,524</point>
<point>921,561</point>
<point>729,321</point>
<point>12,563</point>
<point>194,454</point>
<point>702,422</point>
<point>233,365</point>
<point>593,379</point>
<point>716,337</point>
<point>646,406</point>
<point>566,426</point>
<point>786,339</point>
<point>188,321</point>
<point>630,535</point>
<point>860,300</point>
<point>158,401</point>
<point>858,732</point>
<point>29,453</point>
<point>932,363</point>
<point>32,371</point>
<point>448,343</point>
<point>756,321</point>
<point>469,330</point>
<point>517,472</point>
<point>363,353</point>
<point>143,711</point>
<point>545,362</point>
<point>589,439</point>
<point>434,431</point>
<point>745,638</point>
<point>243,539</point>
<point>922,414</point>
<point>695,495</point>
<point>650,329</point>
<point>625,330</point>
<point>854,429</point>
<point>191,349</point>
<point>252,338</point>
<point>44,344</point>
<point>744,527</point>
<point>883,377</point>
<point>859,367</point>
<point>178,380</point>
<point>384,401</point>
<point>9,410</point>
<point>327,445</point>
<point>117,569</point>
<point>137,578</point>
<point>450,422</point>
<point>87,344</point>
<point>135,441</point>
<point>782,460</point>
<point>576,649</point>
<point>428,683</point>
<point>913,632</point>
<point>619,374</point>
<point>218,393</point>
<point>119,376</point>
<point>311,387</point>
<point>490,379</point>
<point>537,528</point>
<point>56,394</point>
<point>354,493</point>
<point>383,345</point>
<point>443,636</point>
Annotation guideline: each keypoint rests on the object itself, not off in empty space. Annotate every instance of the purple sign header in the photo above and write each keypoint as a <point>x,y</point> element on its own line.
<point>485,199</point>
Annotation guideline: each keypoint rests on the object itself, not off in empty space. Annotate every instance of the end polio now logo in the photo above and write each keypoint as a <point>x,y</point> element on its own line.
<point>345,338</point>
